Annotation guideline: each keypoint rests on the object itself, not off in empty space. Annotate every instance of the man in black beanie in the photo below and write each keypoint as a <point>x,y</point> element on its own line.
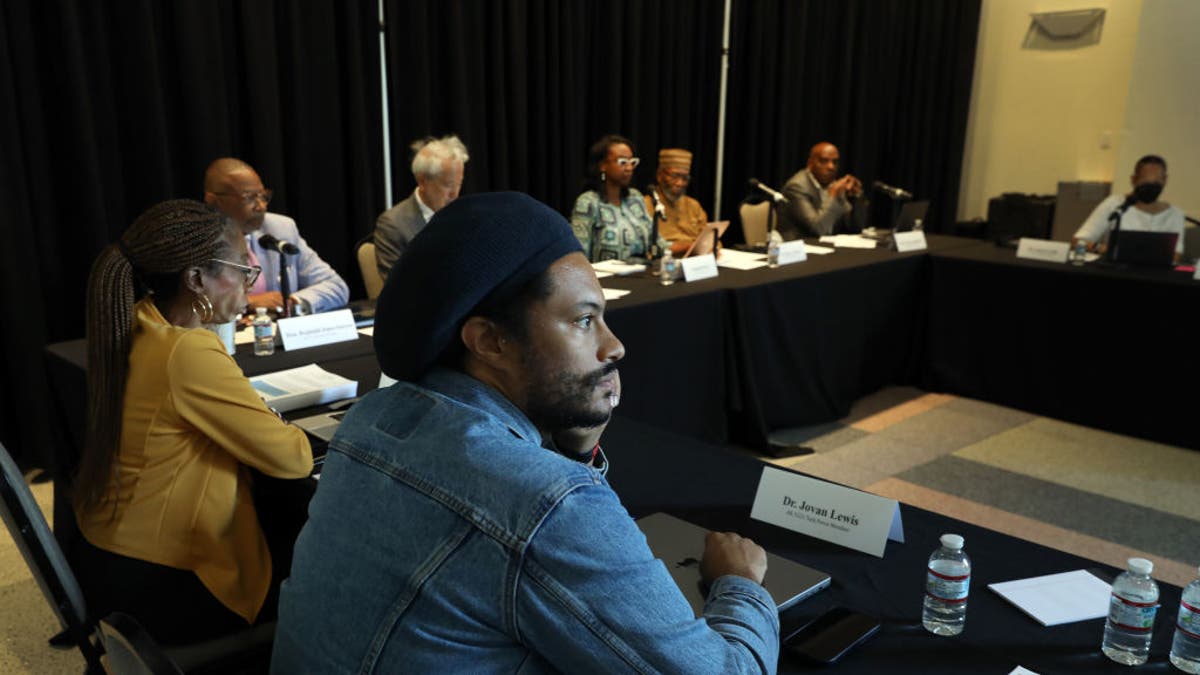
<point>463,522</point>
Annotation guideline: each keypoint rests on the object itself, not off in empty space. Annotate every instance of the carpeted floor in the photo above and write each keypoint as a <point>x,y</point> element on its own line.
<point>1096,494</point>
<point>1099,495</point>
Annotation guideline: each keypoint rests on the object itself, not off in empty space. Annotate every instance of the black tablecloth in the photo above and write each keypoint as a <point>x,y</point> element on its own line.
<point>714,487</point>
<point>1102,347</point>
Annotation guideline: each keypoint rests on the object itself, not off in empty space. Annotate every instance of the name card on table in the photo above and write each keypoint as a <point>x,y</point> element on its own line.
<point>699,267</point>
<point>1196,273</point>
<point>1043,249</point>
<point>317,329</point>
<point>792,252</point>
<point>835,513</point>
<point>910,241</point>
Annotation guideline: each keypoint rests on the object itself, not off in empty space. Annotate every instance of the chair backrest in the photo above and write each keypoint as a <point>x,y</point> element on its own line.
<point>129,649</point>
<point>369,268</point>
<point>42,554</point>
<point>754,222</point>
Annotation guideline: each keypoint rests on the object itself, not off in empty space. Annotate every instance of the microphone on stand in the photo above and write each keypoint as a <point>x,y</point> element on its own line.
<point>269,242</point>
<point>284,249</point>
<point>775,196</point>
<point>895,192</point>
<point>659,210</point>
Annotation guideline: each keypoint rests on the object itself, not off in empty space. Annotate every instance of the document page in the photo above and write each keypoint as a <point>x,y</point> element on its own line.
<point>302,387</point>
<point>1058,598</point>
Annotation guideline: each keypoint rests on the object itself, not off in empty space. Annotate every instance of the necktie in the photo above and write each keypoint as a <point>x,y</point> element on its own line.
<point>260,284</point>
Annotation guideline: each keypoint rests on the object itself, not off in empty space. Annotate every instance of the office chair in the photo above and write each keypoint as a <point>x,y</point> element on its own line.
<point>246,651</point>
<point>370,270</point>
<point>754,222</point>
<point>45,559</point>
<point>129,649</point>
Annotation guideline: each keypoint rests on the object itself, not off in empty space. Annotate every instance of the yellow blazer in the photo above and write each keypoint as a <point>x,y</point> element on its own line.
<point>191,426</point>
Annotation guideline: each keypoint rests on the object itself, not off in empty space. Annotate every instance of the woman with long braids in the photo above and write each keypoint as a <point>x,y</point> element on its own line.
<point>162,495</point>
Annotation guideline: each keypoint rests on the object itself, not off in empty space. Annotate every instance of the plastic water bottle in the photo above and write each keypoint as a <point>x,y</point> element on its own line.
<point>947,582</point>
<point>1185,648</point>
<point>264,333</point>
<point>1079,254</point>
<point>666,269</point>
<point>918,225</point>
<point>1131,611</point>
<point>774,239</point>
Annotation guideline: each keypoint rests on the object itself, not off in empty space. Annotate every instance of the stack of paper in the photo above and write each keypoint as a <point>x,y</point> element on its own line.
<point>1058,598</point>
<point>302,387</point>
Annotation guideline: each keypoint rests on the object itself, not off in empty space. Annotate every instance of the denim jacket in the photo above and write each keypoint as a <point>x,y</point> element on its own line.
<point>444,538</point>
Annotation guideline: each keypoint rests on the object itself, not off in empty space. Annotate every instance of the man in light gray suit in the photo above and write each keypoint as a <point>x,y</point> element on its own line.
<point>438,167</point>
<point>819,202</point>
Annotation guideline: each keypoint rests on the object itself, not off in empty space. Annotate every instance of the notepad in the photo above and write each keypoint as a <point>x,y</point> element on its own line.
<point>1055,599</point>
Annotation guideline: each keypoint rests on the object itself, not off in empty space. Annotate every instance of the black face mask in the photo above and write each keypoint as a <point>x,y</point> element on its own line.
<point>1147,193</point>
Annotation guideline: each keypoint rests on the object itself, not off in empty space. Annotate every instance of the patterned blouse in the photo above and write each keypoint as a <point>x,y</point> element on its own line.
<point>609,232</point>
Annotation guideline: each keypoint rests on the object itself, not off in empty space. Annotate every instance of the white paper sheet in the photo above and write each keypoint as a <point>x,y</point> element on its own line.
<point>600,274</point>
<point>1055,599</point>
<point>819,250</point>
<point>617,267</point>
<point>615,293</point>
<point>741,260</point>
<point>848,241</point>
<point>369,331</point>
<point>1022,670</point>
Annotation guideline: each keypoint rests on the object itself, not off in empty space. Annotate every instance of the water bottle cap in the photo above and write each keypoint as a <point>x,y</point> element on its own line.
<point>260,310</point>
<point>952,541</point>
<point>1141,566</point>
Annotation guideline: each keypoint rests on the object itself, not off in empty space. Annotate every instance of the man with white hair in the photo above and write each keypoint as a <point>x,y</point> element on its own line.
<point>438,167</point>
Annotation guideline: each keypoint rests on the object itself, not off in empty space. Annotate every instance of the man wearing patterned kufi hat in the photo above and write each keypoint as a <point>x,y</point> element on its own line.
<point>680,218</point>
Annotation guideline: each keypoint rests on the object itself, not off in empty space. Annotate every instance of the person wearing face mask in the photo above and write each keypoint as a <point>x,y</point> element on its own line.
<point>162,493</point>
<point>1140,210</point>
<point>610,218</point>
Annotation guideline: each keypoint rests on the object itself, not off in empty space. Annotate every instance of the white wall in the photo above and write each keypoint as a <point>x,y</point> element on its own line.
<point>1038,117</point>
<point>1162,116</point>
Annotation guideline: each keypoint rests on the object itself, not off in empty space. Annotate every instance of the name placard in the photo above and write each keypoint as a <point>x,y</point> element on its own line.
<point>838,514</point>
<point>699,267</point>
<point>1196,273</point>
<point>1043,249</point>
<point>792,252</point>
<point>317,329</point>
<point>910,241</point>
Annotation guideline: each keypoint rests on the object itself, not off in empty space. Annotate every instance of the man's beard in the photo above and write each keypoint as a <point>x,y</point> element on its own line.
<point>561,401</point>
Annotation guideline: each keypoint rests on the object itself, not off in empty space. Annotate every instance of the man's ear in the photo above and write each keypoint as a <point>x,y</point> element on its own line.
<point>210,198</point>
<point>486,341</point>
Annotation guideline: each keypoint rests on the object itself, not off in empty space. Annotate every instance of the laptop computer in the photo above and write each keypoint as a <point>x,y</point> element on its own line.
<point>910,213</point>
<point>705,241</point>
<point>679,544</point>
<point>1147,249</point>
<point>321,426</point>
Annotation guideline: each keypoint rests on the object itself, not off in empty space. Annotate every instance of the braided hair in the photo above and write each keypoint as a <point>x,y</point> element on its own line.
<point>167,239</point>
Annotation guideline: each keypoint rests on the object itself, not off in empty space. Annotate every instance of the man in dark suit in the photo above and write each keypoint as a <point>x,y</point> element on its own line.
<point>438,167</point>
<point>817,203</point>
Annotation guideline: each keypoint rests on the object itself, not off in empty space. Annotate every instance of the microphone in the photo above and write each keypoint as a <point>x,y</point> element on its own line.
<point>776,196</point>
<point>1115,216</point>
<point>895,192</point>
<point>659,209</point>
<point>269,242</point>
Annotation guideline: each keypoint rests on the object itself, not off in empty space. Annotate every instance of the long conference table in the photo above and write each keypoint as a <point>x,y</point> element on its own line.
<point>737,356</point>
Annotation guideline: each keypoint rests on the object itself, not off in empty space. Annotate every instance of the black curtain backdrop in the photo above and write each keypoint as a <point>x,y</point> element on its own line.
<point>887,81</point>
<point>529,86</point>
<point>107,108</point>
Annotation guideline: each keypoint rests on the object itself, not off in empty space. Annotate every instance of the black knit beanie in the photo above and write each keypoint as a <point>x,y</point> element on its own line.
<point>483,246</point>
